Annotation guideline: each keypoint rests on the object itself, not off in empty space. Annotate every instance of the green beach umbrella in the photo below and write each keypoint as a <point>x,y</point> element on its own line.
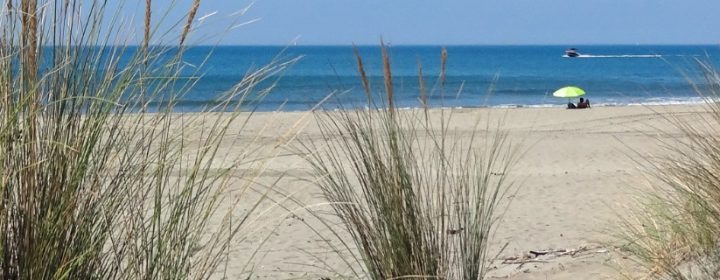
<point>569,92</point>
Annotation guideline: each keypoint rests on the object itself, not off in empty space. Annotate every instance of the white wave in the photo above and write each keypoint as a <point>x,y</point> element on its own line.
<point>665,103</point>
<point>512,106</point>
<point>656,101</point>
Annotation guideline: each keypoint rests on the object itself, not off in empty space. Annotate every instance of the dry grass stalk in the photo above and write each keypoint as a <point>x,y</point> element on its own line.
<point>148,18</point>
<point>5,50</point>
<point>363,75</point>
<point>443,65</point>
<point>29,32</point>
<point>387,74</point>
<point>190,19</point>
<point>30,68</point>
<point>421,82</point>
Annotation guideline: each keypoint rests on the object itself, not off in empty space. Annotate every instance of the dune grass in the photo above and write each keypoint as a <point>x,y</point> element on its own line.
<point>675,233</point>
<point>99,179</point>
<point>414,204</point>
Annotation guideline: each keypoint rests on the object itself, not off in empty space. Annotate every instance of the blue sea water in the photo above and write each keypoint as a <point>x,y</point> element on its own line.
<point>477,76</point>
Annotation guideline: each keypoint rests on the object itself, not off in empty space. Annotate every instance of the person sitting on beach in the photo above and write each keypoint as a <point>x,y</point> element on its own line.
<point>571,105</point>
<point>583,104</point>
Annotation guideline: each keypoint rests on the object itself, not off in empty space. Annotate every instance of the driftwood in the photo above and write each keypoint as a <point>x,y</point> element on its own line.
<point>524,262</point>
<point>533,256</point>
<point>546,256</point>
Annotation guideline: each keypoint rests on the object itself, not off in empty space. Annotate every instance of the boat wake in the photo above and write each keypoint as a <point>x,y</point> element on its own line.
<point>617,56</point>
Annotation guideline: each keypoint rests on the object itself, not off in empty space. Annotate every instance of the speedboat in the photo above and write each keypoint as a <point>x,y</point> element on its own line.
<point>572,52</point>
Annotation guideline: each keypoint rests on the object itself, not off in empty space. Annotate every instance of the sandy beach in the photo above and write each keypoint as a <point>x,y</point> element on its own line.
<point>576,180</point>
<point>379,140</point>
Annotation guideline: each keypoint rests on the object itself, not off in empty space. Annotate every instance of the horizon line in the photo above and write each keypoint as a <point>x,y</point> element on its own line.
<point>423,45</point>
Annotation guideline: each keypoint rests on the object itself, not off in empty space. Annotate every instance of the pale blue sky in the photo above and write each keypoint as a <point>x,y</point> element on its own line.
<point>451,22</point>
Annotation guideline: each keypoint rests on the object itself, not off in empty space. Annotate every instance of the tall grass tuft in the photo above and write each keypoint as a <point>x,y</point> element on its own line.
<point>676,232</point>
<point>99,179</point>
<point>417,200</point>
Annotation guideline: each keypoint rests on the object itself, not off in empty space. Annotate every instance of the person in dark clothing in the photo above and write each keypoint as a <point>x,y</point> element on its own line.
<point>582,104</point>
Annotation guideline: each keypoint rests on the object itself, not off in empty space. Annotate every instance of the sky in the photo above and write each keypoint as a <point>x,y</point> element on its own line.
<point>455,22</point>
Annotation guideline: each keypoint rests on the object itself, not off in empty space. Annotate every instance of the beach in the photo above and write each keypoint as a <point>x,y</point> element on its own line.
<point>577,178</point>
<point>379,140</point>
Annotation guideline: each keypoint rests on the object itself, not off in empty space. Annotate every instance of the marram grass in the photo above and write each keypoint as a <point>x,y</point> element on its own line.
<point>415,202</point>
<point>93,185</point>
<point>676,232</point>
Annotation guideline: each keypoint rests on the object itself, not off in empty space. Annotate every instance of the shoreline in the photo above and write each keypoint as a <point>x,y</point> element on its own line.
<point>551,107</point>
<point>257,109</point>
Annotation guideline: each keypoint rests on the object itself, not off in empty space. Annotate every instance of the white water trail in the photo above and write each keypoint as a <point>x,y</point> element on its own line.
<point>618,56</point>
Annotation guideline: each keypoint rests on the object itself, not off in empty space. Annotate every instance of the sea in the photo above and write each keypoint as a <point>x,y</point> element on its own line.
<point>327,77</point>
